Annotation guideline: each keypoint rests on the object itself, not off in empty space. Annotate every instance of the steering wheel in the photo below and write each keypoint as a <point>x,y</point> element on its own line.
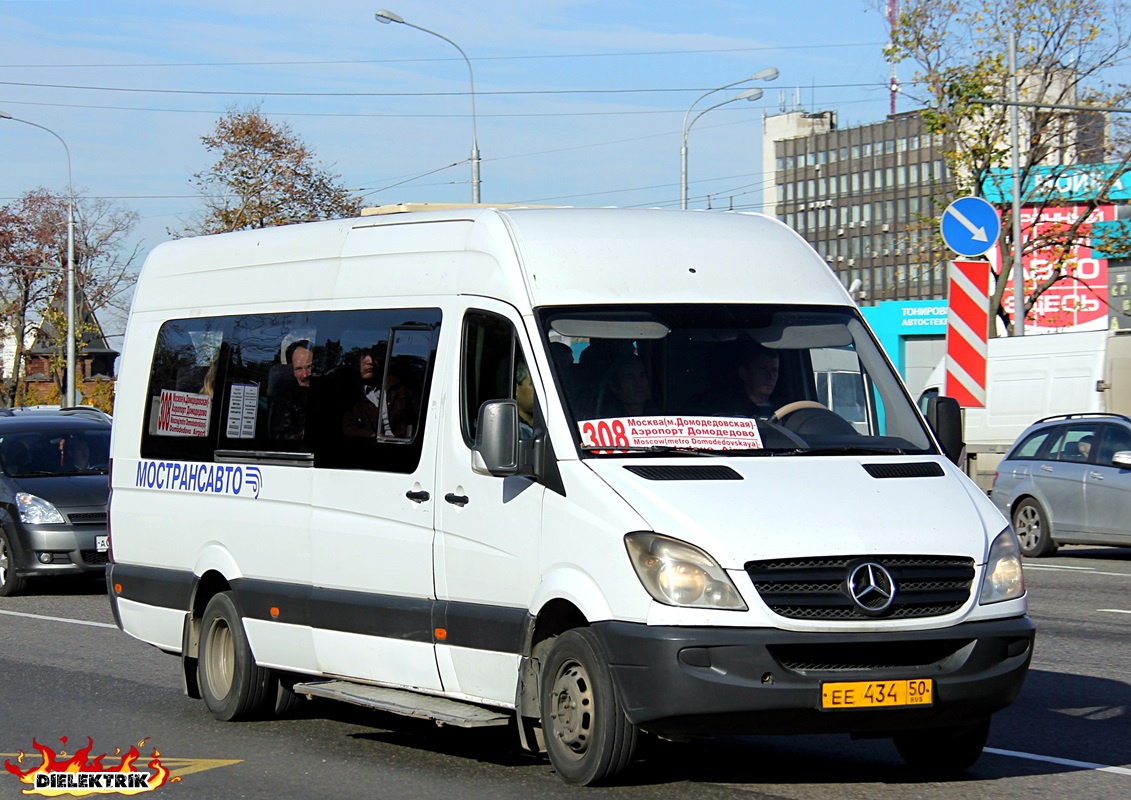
<point>796,405</point>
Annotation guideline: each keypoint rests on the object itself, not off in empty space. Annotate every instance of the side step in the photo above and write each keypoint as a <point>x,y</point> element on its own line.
<point>406,703</point>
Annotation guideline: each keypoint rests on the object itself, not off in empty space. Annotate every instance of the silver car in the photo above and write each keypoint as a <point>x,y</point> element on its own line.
<point>1067,480</point>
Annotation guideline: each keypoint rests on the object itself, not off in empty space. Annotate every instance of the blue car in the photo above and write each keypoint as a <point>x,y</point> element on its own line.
<point>1067,480</point>
<point>53,493</point>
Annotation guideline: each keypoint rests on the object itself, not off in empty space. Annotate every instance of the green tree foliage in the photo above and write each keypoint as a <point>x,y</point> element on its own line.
<point>1064,48</point>
<point>264,175</point>
<point>33,255</point>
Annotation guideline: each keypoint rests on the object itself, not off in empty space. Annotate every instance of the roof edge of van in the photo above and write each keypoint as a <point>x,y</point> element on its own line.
<point>405,208</point>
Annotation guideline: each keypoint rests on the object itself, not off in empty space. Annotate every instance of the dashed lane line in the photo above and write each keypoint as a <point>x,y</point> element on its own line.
<point>1064,762</point>
<point>1085,570</point>
<point>59,619</point>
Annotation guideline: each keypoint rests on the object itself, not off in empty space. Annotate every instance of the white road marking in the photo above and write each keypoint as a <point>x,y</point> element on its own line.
<point>1089,570</point>
<point>60,619</point>
<point>1115,610</point>
<point>1057,566</point>
<point>1065,762</point>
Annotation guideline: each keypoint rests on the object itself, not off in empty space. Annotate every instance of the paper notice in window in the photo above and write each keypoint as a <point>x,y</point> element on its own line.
<point>183,414</point>
<point>243,406</point>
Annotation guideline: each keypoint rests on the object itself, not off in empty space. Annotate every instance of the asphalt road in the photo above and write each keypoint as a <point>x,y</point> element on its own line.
<point>66,671</point>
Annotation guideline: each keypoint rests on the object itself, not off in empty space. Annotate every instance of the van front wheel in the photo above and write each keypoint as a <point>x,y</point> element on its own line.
<point>943,751</point>
<point>232,685</point>
<point>588,737</point>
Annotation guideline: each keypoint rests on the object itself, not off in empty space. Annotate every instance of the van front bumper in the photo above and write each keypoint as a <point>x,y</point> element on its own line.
<point>709,681</point>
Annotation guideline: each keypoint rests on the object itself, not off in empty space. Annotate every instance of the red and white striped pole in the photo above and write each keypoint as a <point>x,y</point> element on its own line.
<point>966,331</point>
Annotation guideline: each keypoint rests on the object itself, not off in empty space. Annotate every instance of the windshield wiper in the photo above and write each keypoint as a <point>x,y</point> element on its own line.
<point>851,450</point>
<point>656,448</point>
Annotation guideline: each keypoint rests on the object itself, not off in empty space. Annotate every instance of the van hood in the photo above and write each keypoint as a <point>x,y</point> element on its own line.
<point>68,491</point>
<point>794,506</point>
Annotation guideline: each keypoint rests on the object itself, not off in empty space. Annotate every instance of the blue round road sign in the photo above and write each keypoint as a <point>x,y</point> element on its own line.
<point>970,226</point>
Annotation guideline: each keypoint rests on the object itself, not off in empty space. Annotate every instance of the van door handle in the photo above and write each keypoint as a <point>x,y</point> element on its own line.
<point>456,499</point>
<point>1046,468</point>
<point>1099,476</point>
<point>417,497</point>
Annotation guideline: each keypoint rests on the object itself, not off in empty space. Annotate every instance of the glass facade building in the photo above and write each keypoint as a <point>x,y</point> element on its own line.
<point>867,198</point>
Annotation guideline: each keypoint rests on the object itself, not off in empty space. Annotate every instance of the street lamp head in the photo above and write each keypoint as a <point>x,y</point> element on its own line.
<point>384,16</point>
<point>767,74</point>
<point>749,94</point>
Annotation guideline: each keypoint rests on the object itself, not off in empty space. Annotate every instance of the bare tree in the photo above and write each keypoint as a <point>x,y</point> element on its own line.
<point>33,255</point>
<point>264,175</point>
<point>1064,49</point>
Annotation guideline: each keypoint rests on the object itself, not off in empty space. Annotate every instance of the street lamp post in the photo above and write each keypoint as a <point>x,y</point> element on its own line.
<point>70,398</point>
<point>385,17</point>
<point>767,74</point>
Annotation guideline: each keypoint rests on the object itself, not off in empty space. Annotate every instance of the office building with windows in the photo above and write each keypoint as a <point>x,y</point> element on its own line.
<point>865,197</point>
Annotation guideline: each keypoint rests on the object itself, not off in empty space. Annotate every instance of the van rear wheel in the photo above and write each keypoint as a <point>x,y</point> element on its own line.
<point>232,685</point>
<point>588,737</point>
<point>1031,525</point>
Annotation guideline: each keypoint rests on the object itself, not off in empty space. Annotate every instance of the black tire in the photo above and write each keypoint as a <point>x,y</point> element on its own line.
<point>10,583</point>
<point>943,751</point>
<point>1034,534</point>
<point>588,737</point>
<point>232,685</point>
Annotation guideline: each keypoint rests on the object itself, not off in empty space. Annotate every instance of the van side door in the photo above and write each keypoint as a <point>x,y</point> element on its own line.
<point>371,525</point>
<point>488,528</point>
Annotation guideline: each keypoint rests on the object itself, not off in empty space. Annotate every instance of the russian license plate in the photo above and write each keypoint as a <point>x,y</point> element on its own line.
<point>874,694</point>
<point>101,543</point>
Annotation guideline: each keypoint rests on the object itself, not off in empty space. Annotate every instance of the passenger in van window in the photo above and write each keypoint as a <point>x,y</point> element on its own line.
<point>287,416</point>
<point>524,397</point>
<point>1086,447</point>
<point>367,415</point>
<point>401,405</point>
<point>627,390</point>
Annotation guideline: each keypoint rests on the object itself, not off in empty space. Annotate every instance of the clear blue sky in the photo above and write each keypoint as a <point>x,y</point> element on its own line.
<point>578,102</point>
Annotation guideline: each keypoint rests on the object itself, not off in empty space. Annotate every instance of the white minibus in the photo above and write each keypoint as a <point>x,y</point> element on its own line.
<point>560,468</point>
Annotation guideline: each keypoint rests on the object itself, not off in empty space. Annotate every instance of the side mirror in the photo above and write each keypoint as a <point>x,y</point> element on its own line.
<point>944,416</point>
<point>496,439</point>
<point>1122,458</point>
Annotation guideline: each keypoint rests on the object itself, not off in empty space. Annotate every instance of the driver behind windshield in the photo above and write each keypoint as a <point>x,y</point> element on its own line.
<point>756,368</point>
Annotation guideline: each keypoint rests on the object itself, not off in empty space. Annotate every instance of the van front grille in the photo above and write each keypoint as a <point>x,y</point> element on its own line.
<point>865,655</point>
<point>817,588</point>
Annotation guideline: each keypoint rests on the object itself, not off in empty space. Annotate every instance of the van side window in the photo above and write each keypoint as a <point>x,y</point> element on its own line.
<point>492,366</point>
<point>182,414</point>
<point>290,386</point>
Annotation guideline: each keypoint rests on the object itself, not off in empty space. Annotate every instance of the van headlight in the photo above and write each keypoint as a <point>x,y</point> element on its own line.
<point>36,511</point>
<point>1003,579</point>
<point>678,574</point>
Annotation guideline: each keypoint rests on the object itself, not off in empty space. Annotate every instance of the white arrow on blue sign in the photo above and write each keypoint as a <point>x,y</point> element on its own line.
<point>970,226</point>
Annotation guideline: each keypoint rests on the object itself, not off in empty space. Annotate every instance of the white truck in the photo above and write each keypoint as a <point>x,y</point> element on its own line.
<point>1032,377</point>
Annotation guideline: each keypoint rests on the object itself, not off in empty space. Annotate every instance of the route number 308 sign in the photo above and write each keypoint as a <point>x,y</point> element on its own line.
<point>700,433</point>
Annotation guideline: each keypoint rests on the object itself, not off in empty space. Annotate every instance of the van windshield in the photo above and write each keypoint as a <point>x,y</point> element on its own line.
<point>747,379</point>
